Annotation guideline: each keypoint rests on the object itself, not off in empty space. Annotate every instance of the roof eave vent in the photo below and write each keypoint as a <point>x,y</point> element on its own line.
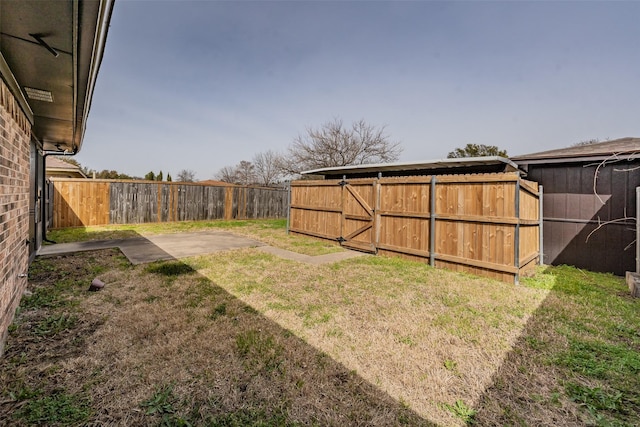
<point>39,94</point>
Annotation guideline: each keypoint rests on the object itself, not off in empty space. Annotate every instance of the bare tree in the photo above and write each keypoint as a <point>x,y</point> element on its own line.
<point>246,173</point>
<point>186,175</point>
<point>228,174</point>
<point>268,169</point>
<point>333,144</point>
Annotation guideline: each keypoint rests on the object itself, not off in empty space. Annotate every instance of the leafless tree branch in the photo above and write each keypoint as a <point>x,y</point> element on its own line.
<point>228,174</point>
<point>614,158</point>
<point>268,170</point>
<point>333,144</point>
<point>186,175</point>
<point>603,223</point>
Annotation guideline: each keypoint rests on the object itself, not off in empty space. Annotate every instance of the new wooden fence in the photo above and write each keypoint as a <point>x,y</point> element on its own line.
<point>485,224</point>
<point>82,202</point>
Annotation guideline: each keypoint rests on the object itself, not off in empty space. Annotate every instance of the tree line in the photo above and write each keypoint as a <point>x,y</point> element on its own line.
<point>185,175</point>
<point>332,144</point>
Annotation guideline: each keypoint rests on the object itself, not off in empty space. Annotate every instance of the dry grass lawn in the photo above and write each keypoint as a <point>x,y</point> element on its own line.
<point>424,336</point>
<point>246,338</point>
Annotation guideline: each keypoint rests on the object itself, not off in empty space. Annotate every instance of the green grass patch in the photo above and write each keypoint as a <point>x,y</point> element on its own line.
<point>54,324</point>
<point>594,398</point>
<point>42,298</point>
<point>451,365</point>
<point>461,411</point>
<point>272,232</point>
<point>201,291</point>
<point>124,231</point>
<point>218,311</point>
<point>170,269</point>
<point>162,401</point>
<point>256,417</point>
<point>58,408</point>
<point>600,360</point>
<point>585,336</point>
<point>260,350</point>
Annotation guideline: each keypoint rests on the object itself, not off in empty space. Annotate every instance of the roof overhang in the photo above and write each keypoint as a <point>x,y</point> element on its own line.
<point>68,172</point>
<point>627,149</point>
<point>457,165</point>
<point>585,159</point>
<point>50,57</point>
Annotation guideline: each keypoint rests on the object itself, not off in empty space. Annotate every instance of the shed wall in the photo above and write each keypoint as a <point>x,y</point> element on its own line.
<point>575,202</point>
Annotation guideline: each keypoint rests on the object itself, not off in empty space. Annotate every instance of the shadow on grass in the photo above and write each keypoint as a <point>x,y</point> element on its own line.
<point>85,234</point>
<point>161,344</point>
<point>577,362</point>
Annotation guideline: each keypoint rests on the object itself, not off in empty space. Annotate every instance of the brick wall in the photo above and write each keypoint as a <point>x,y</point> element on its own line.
<point>15,136</point>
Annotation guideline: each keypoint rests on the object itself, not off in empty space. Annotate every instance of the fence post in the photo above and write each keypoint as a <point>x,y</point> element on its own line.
<point>432,223</point>
<point>516,237</point>
<point>228,203</point>
<point>242,196</point>
<point>540,226</point>
<point>343,198</point>
<point>376,214</point>
<point>288,205</point>
<point>159,201</point>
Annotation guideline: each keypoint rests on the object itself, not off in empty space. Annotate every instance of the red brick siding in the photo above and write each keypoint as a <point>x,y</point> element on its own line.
<point>15,135</point>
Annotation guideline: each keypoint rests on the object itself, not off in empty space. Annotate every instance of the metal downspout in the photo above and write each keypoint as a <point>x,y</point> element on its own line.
<point>43,207</point>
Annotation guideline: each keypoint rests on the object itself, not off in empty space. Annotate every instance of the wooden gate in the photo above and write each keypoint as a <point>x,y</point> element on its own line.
<point>357,229</point>
<point>486,224</point>
<point>337,210</point>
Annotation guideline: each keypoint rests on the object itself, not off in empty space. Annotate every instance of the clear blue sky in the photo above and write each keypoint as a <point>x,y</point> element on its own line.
<point>202,85</point>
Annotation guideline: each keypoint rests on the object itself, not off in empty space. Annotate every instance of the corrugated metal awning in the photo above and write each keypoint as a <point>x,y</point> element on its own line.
<point>388,169</point>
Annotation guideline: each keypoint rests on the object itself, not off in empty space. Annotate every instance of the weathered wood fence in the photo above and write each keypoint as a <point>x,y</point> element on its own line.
<point>485,224</point>
<point>82,202</point>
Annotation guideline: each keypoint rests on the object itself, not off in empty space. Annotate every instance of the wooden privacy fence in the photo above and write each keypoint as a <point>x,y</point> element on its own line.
<point>485,224</point>
<point>82,202</point>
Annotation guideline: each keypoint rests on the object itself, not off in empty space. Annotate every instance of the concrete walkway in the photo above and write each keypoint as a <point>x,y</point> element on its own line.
<point>315,260</point>
<point>142,250</point>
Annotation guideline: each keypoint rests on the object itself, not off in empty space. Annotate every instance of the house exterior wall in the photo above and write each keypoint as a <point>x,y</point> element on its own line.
<point>576,202</point>
<point>15,140</point>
